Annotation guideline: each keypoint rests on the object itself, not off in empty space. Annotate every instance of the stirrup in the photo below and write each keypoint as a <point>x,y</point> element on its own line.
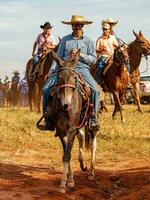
<point>32,77</point>
<point>96,127</point>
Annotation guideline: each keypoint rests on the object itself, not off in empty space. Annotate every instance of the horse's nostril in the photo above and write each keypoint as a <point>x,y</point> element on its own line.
<point>65,106</point>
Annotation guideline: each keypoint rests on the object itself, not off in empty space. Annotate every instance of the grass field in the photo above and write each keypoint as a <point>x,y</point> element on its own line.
<point>22,143</point>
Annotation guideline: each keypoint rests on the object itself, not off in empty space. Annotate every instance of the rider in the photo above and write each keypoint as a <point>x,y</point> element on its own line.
<point>74,41</point>
<point>105,46</point>
<point>44,41</point>
<point>16,78</point>
<point>6,80</point>
<point>112,23</point>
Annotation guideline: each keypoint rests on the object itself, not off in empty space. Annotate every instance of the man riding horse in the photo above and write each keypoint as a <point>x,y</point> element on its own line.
<point>15,79</point>
<point>73,42</point>
<point>105,46</point>
<point>45,41</point>
<point>112,23</point>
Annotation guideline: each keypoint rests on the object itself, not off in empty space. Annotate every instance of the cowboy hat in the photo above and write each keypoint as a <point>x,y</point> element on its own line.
<point>15,72</point>
<point>105,26</point>
<point>46,25</point>
<point>76,19</point>
<point>110,21</point>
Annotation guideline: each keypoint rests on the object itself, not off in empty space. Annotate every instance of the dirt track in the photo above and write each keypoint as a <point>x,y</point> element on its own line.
<point>19,182</point>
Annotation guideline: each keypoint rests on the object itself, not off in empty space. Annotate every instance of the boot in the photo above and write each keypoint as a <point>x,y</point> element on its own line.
<point>48,119</point>
<point>94,125</point>
<point>48,123</point>
<point>93,122</point>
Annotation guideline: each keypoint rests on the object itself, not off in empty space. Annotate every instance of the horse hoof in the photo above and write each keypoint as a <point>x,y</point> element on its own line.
<point>70,185</point>
<point>62,190</point>
<point>83,166</point>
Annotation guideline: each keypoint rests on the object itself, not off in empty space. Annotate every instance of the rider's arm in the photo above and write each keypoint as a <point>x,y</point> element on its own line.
<point>52,44</point>
<point>48,46</point>
<point>115,42</point>
<point>99,47</point>
<point>34,48</point>
<point>88,56</point>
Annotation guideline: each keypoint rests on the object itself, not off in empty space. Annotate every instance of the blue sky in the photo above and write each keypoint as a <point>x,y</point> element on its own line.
<point>20,22</point>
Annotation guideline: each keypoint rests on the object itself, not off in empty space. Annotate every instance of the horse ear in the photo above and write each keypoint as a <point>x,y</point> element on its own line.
<point>140,33</point>
<point>59,61</point>
<point>59,38</point>
<point>76,59</point>
<point>136,35</point>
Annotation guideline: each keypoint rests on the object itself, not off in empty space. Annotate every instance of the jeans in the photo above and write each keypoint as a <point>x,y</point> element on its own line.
<point>100,68</point>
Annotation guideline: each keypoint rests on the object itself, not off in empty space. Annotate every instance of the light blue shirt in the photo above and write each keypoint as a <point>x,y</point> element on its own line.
<point>87,54</point>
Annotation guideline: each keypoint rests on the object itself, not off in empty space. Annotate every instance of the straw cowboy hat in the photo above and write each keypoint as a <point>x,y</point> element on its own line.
<point>46,25</point>
<point>110,21</point>
<point>76,19</point>
<point>105,26</point>
<point>15,72</point>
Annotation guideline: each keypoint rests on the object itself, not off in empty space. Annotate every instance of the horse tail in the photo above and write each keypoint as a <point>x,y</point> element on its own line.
<point>87,138</point>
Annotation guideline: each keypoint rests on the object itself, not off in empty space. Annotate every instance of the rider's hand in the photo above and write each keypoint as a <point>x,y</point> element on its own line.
<point>73,54</point>
<point>47,76</point>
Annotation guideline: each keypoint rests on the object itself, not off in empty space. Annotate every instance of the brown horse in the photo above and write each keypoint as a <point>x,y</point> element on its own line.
<point>35,87</point>
<point>140,46</point>
<point>116,78</point>
<point>67,106</point>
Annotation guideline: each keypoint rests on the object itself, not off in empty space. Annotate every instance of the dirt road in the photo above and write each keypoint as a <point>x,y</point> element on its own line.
<point>20,182</point>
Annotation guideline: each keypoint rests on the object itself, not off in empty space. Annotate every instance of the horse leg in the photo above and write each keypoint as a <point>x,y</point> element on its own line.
<point>118,106</point>
<point>70,179</point>
<point>66,162</point>
<point>93,153</point>
<point>39,92</point>
<point>137,96</point>
<point>103,106</point>
<point>83,165</point>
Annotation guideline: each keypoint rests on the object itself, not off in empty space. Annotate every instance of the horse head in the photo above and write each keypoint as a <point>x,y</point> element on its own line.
<point>142,44</point>
<point>67,79</point>
<point>121,55</point>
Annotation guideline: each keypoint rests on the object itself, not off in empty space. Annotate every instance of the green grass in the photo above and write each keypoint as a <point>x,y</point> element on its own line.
<point>21,142</point>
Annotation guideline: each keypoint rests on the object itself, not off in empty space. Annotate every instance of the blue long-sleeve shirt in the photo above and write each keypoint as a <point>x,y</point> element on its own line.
<point>88,54</point>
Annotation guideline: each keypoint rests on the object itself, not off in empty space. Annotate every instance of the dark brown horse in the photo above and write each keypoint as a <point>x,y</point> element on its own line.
<point>140,46</point>
<point>35,87</point>
<point>117,78</point>
<point>67,106</point>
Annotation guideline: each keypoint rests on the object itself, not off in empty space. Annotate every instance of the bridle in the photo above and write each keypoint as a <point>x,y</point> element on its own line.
<point>75,87</point>
<point>118,58</point>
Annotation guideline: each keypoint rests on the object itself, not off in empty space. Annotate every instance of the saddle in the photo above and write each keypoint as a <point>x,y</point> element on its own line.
<point>39,67</point>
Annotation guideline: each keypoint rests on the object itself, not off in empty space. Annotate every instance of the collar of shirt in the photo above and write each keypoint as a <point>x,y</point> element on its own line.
<point>82,36</point>
<point>104,37</point>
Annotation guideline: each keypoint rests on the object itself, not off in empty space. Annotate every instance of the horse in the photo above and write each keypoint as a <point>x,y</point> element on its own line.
<point>140,46</point>
<point>3,88</point>
<point>35,86</point>
<point>116,77</point>
<point>66,107</point>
